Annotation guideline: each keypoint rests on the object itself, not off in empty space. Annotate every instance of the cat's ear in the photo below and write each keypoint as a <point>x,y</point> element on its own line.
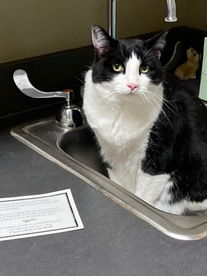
<point>101,39</point>
<point>160,44</point>
<point>157,44</point>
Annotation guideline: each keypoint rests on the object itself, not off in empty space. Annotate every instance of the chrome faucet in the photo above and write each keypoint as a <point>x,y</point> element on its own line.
<point>112,8</point>
<point>171,16</point>
<point>112,12</point>
<point>68,116</point>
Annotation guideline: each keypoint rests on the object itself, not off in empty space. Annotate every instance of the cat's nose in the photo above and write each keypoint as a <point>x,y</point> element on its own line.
<point>132,86</point>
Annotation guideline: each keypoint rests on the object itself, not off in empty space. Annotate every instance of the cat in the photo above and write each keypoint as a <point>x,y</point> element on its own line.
<point>188,69</point>
<point>152,131</point>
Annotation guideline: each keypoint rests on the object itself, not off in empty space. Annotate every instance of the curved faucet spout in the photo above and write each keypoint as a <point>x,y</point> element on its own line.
<point>171,16</point>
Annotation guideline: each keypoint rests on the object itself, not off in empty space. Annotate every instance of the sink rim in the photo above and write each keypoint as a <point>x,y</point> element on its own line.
<point>180,227</point>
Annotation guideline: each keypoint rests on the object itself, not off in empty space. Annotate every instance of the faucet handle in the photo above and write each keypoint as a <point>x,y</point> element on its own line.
<point>68,116</point>
<point>22,81</point>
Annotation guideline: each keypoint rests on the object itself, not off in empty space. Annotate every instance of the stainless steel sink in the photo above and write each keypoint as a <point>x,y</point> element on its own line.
<point>75,150</point>
<point>81,145</point>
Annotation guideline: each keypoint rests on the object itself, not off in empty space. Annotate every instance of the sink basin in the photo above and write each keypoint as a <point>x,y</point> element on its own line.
<point>76,150</point>
<point>81,145</point>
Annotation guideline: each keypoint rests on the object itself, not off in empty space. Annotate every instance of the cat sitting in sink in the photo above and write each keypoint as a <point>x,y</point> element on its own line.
<point>151,130</point>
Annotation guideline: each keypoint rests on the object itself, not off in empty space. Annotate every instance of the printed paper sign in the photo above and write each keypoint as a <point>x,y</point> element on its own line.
<point>36,215</point>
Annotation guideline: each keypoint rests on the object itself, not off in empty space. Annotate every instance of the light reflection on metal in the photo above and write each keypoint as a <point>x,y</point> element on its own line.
<point>171,7</point>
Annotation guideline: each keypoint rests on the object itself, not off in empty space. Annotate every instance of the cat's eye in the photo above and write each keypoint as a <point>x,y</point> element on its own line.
<point>144,69</point>
<point>117,67</point>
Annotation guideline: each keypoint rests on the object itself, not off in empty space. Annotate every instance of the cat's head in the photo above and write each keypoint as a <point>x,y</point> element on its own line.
<point>127,66</point>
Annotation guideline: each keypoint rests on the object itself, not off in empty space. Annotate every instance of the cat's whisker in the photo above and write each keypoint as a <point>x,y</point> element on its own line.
<point>169,105</point>
<point>145,102</point>
<point>150,95</point>
<point>108,97</point>
<point>169,101</point>
<point>165,102</point>
<point>82,81</point>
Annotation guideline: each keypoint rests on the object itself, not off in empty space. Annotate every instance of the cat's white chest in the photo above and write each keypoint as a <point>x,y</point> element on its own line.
<point>122,126</point>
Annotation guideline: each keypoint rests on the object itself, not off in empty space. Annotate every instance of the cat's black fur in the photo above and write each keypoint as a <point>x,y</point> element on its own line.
<point>178,145</point>
<point>178,141</point>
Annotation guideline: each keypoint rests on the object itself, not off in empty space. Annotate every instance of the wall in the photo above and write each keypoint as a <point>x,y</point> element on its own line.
<point>36,27</point>
<point>196,11</point>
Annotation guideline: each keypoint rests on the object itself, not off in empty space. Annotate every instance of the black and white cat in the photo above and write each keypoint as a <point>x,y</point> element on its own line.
<point>152,130</point>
